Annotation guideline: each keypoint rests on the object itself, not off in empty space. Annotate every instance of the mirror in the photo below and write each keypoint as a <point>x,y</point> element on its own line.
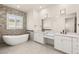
<point>71,23</point>
<point>47,24</point>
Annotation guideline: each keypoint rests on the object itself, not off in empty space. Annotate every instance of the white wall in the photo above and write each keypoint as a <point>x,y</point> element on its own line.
<point>58,22</point>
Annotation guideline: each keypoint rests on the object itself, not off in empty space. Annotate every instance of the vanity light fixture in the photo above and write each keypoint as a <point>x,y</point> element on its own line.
<point>62,11</point>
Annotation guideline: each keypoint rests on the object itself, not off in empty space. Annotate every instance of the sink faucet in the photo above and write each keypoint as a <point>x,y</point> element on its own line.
<point>63,32</point>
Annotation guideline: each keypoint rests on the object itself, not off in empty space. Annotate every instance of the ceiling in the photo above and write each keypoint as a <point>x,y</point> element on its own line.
<point>27,7</point>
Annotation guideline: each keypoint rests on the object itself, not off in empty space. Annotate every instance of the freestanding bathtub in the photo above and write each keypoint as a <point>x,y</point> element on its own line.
<point>15,39</point>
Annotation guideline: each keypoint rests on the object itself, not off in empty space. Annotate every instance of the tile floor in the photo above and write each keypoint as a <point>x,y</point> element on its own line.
<point>29,47</point>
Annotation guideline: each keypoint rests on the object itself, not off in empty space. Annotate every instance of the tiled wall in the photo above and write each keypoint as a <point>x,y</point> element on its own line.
<point>3,20</point>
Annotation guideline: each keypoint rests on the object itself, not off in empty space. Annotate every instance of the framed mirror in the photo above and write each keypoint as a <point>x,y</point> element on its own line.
<point>71,23</point>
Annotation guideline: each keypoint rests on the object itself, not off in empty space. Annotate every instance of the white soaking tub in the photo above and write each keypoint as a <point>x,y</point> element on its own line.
<point>15,39</point>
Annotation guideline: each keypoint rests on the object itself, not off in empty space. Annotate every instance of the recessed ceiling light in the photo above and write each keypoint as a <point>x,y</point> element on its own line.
<point>18,6</point>
<point>40,7</point>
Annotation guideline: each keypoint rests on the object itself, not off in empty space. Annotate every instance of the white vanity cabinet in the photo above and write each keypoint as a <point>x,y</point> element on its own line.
<point>38,37</point>
<point>63,43</point>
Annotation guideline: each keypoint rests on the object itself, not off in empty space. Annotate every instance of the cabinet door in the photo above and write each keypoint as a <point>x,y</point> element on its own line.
<point>78,45</point>
<point>60,43</point>
<point>38,37</point>
<point>64,42</point>
<point>69,44</point>
<point>57,43</point>
<point>75,46</point>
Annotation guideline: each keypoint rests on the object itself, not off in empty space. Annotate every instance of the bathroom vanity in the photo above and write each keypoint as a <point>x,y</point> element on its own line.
<point>67,43</point>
